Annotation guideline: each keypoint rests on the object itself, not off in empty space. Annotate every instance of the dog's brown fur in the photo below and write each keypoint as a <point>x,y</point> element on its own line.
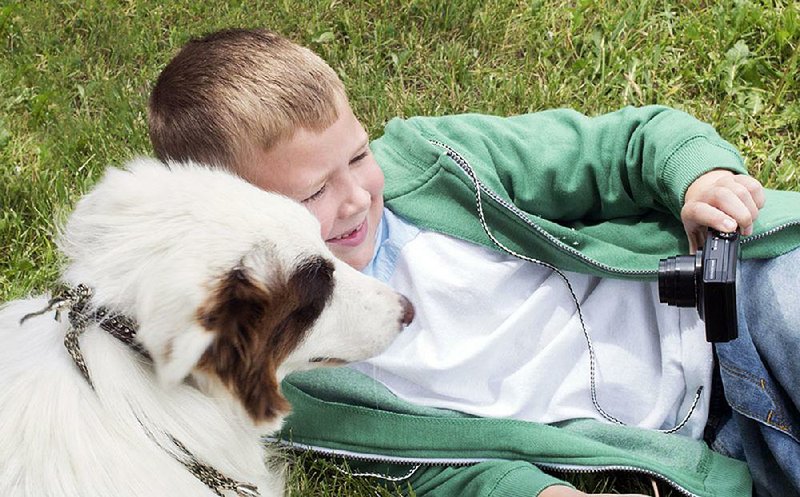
<point>257,328</point>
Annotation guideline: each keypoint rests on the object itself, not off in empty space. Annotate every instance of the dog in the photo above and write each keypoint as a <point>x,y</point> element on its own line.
<point>190,294</point>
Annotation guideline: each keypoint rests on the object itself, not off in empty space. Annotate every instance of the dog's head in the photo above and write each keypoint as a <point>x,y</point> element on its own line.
<point>229,284</point>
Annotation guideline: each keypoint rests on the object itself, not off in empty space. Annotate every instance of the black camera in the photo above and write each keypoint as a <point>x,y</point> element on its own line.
<point>706,280</point>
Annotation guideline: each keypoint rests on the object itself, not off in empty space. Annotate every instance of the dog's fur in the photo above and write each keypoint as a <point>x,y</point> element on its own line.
<point>232,288</point>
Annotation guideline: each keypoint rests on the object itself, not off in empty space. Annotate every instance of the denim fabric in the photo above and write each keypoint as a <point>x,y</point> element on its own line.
<point>760,373</point>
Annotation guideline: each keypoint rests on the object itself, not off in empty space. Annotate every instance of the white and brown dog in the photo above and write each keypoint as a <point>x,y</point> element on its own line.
<point>192,294</point>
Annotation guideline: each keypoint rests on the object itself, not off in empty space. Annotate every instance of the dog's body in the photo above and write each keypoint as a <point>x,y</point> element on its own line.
<point>231,288</point>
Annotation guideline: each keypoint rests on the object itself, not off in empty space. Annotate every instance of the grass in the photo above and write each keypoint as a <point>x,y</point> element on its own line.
<point>75,76</point>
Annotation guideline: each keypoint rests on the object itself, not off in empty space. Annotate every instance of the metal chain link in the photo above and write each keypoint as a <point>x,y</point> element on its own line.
<point>212,477</point>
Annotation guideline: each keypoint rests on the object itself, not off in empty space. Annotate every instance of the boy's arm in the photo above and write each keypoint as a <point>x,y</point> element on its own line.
<point>565,166</point>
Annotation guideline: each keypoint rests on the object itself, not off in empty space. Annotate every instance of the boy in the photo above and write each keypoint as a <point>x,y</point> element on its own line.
<point>496,336</point>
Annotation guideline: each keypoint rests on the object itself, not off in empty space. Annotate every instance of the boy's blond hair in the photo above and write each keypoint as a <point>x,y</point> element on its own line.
<point>232,93</point>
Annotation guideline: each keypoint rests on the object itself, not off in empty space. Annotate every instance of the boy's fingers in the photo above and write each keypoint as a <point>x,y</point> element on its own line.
<point>715,188</point>
<point>696,236</point>
<point>696,217</point>
<point>705,214</point>
<point>729,201</point>
<point>735,207</point>
<point>755,188</point>
<point>749,190</point>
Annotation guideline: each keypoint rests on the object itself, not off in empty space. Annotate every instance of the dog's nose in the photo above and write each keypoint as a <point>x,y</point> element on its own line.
<point>408,311</point>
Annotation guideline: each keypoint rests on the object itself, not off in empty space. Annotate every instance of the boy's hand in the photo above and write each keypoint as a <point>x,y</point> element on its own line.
<point>721,200</point>
<point>565,491</point>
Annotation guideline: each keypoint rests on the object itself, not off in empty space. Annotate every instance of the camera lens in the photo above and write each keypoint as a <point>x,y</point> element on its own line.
<point>677,280</point>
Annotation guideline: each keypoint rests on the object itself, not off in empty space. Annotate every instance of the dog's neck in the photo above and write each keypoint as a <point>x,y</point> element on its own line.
<point>81,315</point>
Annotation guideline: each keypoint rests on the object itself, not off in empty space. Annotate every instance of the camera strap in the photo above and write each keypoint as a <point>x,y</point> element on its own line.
<point>480,189</point>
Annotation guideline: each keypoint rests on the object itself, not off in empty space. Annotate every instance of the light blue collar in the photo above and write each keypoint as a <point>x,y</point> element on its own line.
<point>392,234</point>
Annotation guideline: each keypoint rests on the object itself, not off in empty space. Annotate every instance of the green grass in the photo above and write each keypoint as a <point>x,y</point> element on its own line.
<point>75,76</point>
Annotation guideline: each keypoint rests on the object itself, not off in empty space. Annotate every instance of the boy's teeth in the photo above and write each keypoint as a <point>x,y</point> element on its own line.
<point>345,235</point>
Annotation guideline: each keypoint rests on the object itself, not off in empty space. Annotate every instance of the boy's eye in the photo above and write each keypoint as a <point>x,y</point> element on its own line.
<point>359,157</point>
<point>314,196</point>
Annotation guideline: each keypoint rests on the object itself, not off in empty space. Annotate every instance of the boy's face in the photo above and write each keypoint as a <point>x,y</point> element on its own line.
<point>334,174</point>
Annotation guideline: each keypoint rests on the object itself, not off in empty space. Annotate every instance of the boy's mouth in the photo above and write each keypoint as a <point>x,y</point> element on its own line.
<point>351,238</point>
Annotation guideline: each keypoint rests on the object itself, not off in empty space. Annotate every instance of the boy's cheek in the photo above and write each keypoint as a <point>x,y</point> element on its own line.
<point>322,213</point>
<point>379,180</point>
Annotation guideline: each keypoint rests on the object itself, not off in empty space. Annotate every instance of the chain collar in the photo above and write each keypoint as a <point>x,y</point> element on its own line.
<point>212,478</point>
<point>74,300</point>
<point>81,316</point>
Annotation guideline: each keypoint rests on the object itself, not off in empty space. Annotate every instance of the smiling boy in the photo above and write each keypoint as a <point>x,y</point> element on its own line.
<point>619,187</point>
<point>290,131</point>
<point>335,176</point>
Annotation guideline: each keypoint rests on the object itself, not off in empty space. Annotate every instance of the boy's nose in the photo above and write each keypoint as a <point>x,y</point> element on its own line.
<point>357,201</point>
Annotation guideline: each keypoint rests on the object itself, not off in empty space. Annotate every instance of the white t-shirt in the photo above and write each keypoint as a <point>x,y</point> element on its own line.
<point>495,336</point>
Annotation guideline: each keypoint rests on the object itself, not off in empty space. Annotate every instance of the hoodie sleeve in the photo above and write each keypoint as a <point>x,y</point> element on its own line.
<point>494,478</point>
<point>563,165</point>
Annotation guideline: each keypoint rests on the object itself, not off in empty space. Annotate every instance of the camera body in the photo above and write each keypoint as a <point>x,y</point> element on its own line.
<point>706,280</point>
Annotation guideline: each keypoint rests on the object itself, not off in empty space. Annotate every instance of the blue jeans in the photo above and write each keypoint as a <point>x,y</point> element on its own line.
<point>760,373</point>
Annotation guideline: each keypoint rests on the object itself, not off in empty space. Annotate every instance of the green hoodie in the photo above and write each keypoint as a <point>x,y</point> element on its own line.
<point>595,195</point>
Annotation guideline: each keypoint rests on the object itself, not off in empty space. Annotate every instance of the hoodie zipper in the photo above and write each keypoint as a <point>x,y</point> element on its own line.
<point>417,462</point>
<point>769,232</point>
<point>464,165</point>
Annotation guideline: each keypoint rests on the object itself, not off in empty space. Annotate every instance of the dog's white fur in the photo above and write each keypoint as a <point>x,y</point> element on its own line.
<point>155,244</point>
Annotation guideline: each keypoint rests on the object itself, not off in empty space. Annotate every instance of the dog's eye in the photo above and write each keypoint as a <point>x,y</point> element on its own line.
<point>313,277</point>
<point>313,283</point>
<point>307,314</point>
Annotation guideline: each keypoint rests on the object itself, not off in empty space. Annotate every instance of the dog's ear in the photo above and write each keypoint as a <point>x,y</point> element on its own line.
<point>258,323</point>
<point>181,354</point>
<point>244,356</point>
